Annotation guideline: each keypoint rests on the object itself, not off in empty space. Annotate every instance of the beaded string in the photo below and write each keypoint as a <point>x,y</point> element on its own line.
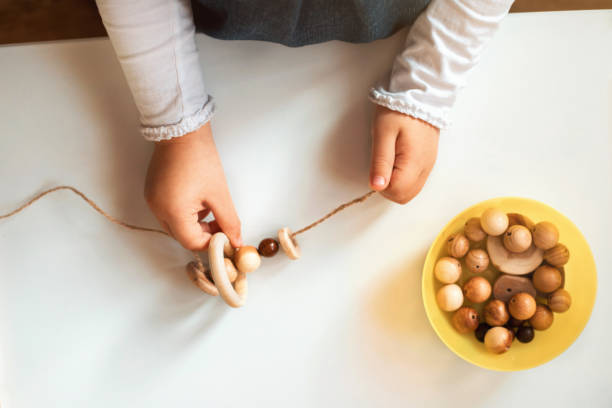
<point>198,259</point>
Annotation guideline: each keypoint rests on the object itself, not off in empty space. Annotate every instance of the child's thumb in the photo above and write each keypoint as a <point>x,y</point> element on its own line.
<point>383,157</point>
<point>228,221</point>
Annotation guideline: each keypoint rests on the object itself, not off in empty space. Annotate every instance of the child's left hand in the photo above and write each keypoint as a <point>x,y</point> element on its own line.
<point>404,151</point>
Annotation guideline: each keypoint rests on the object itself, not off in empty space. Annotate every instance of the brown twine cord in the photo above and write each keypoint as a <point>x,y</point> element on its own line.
<point>334,212</point>
<point>145,229</point>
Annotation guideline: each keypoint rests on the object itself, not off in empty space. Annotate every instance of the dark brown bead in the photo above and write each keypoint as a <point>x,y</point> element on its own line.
<point>480,332</point>
<point>268,247</point>
<point>515,322</point>
<point>525,334</point>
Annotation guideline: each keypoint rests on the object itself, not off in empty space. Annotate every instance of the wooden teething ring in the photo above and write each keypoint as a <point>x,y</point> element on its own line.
<point>288,243</point>
<point>235,295</point>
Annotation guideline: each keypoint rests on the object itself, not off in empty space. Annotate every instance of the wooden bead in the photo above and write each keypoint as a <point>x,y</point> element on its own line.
<point>447,270</point>
<point>525,334</point>
<point>559,301</point>
<point>288,243</point>
<point>465,320</point>
<point>496,313</point>
<point>247,259</point>
<point>507,286</point>
<point>268,247</point>
<point>498,340</point>
<point>545,235</point>
<point>494,221</point>
<point>473,231</point>
<point>517,239</point>
<point>449,297</point>
<point>522,306</point>
<point>481,331</point>
<point>232,273</point>
<point>519,219</point>
<point>557,255</point>
<point>477,289</point>
<point>477,260</point>
<point>457,245</point>
<point>542,318</point>
<point>200,277</point>
<point>547,279</point>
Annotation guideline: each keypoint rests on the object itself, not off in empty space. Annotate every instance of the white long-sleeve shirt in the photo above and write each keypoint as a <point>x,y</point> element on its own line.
<point>155,43</point>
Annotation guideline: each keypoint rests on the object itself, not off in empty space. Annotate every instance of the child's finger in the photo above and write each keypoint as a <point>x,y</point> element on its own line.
<point>228,221</point>
<point>383,158</point>
<point>406,182</point>
<point>190,233</point>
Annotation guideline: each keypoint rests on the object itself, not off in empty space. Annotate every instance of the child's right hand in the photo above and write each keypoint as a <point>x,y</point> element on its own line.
<point>185,182</point>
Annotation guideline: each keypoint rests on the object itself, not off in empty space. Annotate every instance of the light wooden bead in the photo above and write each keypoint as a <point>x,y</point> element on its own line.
<point>494,221</point>
<point>449,297</point>
<point>522,306</point>
<point>473,231</point>
<point>477,260</point>
<point>557,255</point>
<point>498,339</point>
<point>517,239</point>
<point>542,318</point>
<point>559,301</point>
<point>477,289</point>
<point>447,270</point>
<point>457,245</point>
<point>545,235</point>
<point>547,279</point>
<point>247,259</point>
<point>232,273</point>
<point>289,244</point>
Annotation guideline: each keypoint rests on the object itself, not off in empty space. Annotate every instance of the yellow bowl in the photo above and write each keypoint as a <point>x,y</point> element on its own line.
<point>580,281</point>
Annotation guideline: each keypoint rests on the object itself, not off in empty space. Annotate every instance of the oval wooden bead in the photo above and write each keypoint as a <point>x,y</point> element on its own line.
<point>507,286</point>
<point>498,340</point>
<point>547,279</point>
<point>465,320</point>
<point>557,255</point>
<point>268,247</point>
<point>473,231</point>
<point>545,235</point>
<point>457,245</point>
<point>289,244</point>
<point>542,318</point>
<point>477,260</point>
<point>232,273</point>
<point>247,259</point>
<point>496,313</point>
<point>517,239</point>
<point>447,270</point>
<point>494,221</point>
<point>559,301</point>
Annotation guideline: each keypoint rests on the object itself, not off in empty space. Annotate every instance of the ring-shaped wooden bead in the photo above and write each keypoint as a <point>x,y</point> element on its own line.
<point>288,243</point>
<point>219,274</point>
<point>201,281</point>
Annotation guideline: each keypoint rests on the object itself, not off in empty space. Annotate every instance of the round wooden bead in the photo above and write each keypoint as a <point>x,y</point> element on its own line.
<point>247,259</point>
<point>289,244</point>
<point>457,245</point>
<point>449,297</point>
<point>559,301</point>
<point>519,219</point>
<point>525,334</point>
<point>522,306</point>
<point>477,260</point>
<point>498,339</point>
<point>199,276</point>
<point>547,279</point>
<point>447,270</point>
<point>477,289</point>
<point>494,221</point>
<point>268,247</point>
<point>496,313</point>
<point>542,319</point>
<point>465,320</point>
<point>473,231</point>
<point>545,235</point>
<point>232,273</point>
<point>517,239</point>
<point>481,331</point>
<point>557,255</point>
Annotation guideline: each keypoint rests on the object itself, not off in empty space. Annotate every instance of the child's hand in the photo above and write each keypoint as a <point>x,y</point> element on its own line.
<point>403,153</point>
<point>185,182</point>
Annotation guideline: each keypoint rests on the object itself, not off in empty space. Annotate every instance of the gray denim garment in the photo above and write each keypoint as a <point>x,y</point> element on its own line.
<point>301,22</point>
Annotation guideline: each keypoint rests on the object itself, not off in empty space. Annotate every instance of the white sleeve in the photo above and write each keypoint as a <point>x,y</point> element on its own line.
<point>155,44</point>
<point>443,44</point>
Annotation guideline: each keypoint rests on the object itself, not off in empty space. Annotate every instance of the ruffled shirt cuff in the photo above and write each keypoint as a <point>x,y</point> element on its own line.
<point>187,125</point>
<point>404,103</point>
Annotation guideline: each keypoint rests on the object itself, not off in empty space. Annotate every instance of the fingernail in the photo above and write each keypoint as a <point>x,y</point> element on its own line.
<point>378,181</point>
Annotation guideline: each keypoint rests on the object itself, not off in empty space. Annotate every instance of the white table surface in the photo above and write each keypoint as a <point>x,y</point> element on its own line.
<point>95,316</point>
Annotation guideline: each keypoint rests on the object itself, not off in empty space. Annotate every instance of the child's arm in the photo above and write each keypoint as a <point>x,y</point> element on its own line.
<point>154,43</point>
<point>442,46</point>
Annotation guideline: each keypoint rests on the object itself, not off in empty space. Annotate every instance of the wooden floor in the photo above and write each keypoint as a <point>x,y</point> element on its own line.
<point>24,21</point>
